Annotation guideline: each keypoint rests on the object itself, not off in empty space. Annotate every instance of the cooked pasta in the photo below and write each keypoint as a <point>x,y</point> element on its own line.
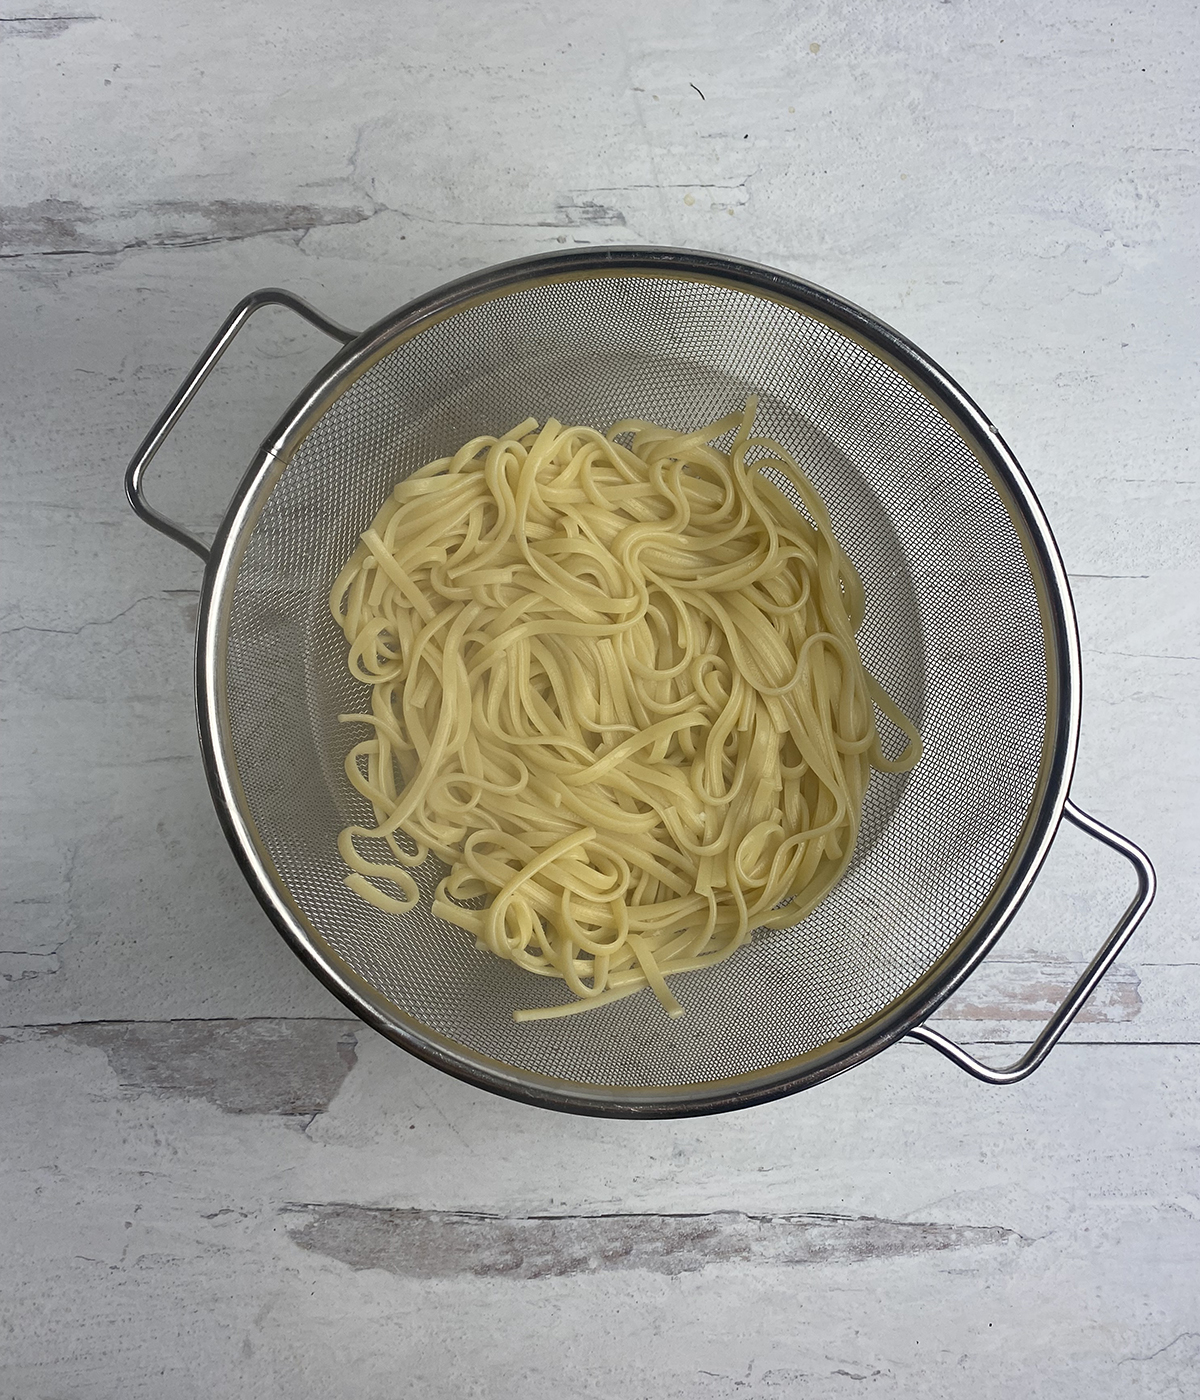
<point>615,688</point>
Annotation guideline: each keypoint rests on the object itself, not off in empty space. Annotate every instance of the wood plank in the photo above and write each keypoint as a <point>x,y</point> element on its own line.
<point>983,1242</point>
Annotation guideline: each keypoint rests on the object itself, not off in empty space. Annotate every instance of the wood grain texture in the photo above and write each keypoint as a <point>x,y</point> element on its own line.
<point>1013,187</point>
<point>427,1244</point>
<point>267,1066</point>
<point>64,227</point>
<point>1031,988</point>
<point>149,1245</point>
<point>40,27</point>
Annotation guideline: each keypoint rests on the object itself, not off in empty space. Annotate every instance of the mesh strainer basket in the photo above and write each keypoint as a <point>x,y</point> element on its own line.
<point>969,625</point>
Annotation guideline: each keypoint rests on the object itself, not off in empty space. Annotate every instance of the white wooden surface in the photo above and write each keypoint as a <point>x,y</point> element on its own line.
<point>214,1183</point>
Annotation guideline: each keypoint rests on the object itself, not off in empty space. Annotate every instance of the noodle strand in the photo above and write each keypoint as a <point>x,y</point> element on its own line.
<point>615,688</point>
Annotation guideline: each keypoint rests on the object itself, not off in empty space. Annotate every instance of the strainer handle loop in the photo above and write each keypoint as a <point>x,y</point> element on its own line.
<point>1053,1029</point>
<point>154,439</point>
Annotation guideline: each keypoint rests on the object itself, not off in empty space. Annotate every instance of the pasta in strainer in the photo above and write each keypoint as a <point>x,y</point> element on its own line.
<point>615,688</point>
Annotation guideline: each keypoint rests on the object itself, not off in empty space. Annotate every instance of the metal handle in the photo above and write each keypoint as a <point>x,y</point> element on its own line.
<point>1052,1031</point>
<point>154,439</point>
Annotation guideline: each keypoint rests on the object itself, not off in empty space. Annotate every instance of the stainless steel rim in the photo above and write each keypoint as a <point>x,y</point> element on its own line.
<point>720,1095</point>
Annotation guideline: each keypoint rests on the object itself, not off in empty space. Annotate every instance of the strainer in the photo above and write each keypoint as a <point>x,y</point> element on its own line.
<point>969,625</point>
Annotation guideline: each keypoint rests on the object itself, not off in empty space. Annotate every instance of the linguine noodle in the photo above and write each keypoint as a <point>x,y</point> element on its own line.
<point>615,689</point>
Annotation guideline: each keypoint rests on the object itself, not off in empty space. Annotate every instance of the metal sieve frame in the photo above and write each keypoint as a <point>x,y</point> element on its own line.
<point>904,1015</point>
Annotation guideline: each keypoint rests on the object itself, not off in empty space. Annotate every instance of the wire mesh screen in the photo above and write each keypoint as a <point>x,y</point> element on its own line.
<point>953,631</point>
